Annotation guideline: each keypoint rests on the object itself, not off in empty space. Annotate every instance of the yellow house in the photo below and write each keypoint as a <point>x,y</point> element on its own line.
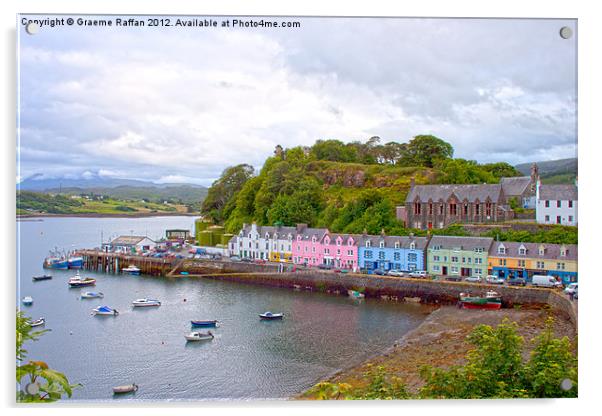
<point>511,259</point>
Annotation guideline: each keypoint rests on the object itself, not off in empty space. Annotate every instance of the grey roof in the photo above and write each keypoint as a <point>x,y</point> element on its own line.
<point>307,233</point>
<point>443,192</point>
<point>271,230</point>
<point>515,186</point>
<point>551,251</point>
<point>345,237</point>
<point>463,243</point>
<point>128,240</point>
<point>558,192</point>
<point>390,240</point>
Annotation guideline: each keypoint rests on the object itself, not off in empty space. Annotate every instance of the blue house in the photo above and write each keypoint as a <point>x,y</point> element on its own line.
<point>391,253</point>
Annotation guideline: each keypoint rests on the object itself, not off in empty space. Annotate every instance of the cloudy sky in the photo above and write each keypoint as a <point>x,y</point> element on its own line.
<point>181,104</point>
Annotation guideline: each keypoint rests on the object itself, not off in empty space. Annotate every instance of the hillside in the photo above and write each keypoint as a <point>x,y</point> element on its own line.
<point>185,194</point>
<point>346,187</point>
<point>553,171</point>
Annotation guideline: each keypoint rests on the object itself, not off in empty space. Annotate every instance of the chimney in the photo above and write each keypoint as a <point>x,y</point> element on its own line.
<point>300,228</point>
<point>382,232</point>
<point>412,182</point>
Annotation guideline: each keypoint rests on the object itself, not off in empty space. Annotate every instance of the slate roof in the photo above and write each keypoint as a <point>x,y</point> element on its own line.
<point>463,243</point>
<point>307,233</point>
<point>515,186</point>
<point>443,192</point>
<point>552,251</point>
<point>270,230</point>
<point>345,237</point>
<point>390,240</point>
<point>558,192</point>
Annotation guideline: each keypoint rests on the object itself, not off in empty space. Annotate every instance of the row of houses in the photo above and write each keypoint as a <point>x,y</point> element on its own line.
<point>438,206</point>
<point>438,255</point>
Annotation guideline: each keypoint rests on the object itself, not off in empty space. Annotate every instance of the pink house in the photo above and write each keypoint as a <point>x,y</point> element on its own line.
<point>340,250</point>
<point>307,245</point>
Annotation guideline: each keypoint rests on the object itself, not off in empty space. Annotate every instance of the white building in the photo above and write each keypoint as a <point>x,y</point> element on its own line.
<point>272,243</point>
<point>556,204</point>
<point>130,244</point>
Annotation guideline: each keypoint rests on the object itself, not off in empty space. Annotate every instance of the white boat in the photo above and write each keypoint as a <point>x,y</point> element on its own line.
<point>90,295</point>
<point>271,316</point>
<point>77,281</point>
<point>104,310</point>
<point>27,300</point>
<point>355,294</point>
<point>146,302</point>
<point>129,388</point>
<point>38,322</point>
<point>131,270</point>
<point>199,336</point>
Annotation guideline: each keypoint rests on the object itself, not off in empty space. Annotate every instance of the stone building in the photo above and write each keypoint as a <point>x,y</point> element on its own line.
<point>522,188</point>
<point>437,206</point>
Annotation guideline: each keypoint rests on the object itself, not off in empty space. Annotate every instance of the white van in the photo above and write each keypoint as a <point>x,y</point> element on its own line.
<point>545,281</point>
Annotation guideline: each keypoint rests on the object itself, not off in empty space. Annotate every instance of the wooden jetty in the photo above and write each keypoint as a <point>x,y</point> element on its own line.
<point>108,262</point>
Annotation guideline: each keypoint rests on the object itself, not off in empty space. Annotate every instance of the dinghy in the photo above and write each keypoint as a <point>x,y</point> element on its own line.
<point>104,310</point>
<point>199,336</point>
<point>212,323</point>
<point>42,277</point>
<point>37,322</point>
<point>146,302</point>
<point>133,270</point>
<point>91,295</point>
<point>128,388</point>
<point>27,300</point>
<point>271,316</point>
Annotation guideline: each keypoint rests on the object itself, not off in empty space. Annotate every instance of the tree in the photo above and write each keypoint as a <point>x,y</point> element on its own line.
<point>52,385</point>
<point>501,170</point>
<point>224,189</point>
<point>463,171</point>
<point>334,150</point>
<point>425,150</point>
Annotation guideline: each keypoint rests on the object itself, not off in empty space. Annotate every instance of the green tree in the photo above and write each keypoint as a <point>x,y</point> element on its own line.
<point>463,172</point>
<point>51,384</point>
<point>334,150</point>
<point>501,170</point>
<point>425,150</point>
<point>224,189</point>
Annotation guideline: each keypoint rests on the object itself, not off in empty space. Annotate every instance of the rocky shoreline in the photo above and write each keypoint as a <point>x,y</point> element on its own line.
<point>440,341</point>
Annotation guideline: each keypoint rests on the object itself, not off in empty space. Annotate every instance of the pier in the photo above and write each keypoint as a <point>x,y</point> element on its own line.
<point>109,262</point>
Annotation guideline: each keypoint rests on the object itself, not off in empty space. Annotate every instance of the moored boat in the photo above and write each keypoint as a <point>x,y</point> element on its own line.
<point>104,310</point>
<point>38,322</point>
<point>210,323</point>
<point>91,295</point>
<point>133,270</point>
<point>77,281</point>
<point>128,388</point>
<point>59,263</point>
<point>42,277</point>
<point>355,294</point>
<point>27,300</point>
<point>271,316</point>
<point>199,336</point>
<point>491,300</point>
<point>146,302</point>
<point>75,262</point>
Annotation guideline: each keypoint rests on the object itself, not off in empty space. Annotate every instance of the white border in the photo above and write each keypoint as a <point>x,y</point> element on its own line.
<point>590,70</point>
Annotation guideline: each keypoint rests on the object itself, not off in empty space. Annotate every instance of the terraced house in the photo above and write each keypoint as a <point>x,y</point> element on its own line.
<point>391,253</point>
<point>307,245</point>
<point>273,243</point>
<point>340,251</point>
<point>511,259</point>
<point>458,256</point>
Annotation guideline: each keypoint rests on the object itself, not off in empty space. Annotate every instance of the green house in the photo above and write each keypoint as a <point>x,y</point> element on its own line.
<point>458,257</point>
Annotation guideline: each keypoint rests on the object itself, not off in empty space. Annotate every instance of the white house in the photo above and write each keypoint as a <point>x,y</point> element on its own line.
<point>131,243</point>
<point>273,243</point>
<point>556,204</point>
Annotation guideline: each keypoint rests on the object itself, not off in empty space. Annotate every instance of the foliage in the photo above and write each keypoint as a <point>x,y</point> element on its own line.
<point>553,234</point>
<point>380,386</point>
<point>39,202</point>
<point>225,188</point>
<point>52,384</point>
<point>427,150</point>
<point>463,172</point>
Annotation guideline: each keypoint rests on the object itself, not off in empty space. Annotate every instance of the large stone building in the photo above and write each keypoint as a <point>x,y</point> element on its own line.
<point>437,206</point>
<point>556,204</point>
<point>522,188</point>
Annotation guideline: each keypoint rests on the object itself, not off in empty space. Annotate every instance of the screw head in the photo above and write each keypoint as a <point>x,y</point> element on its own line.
<point>32,28</point>
<point>566,32</point>
<point>566,384</point>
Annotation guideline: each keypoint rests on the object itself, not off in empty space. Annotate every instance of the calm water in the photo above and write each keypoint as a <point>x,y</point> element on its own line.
<point>248,358</point>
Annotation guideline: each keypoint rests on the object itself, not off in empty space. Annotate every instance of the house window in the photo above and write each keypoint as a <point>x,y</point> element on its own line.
<point>338,251</point>
<point>430,209</point>
<point>501,250</point>
<point>454,259</point>
<point>547,218</point>
<point>313,249</point>
<point>542,251</point>
<point>478,272</point>
<point>563,252</point>
<point>540,265</point>
<point>488,209</point>
<point>412,257</point>
<point>367,254</point>
<point>521,263</point>
<point>381,255</point>
<point>558,219</point>
<point>350,252</point>
<point>452,209</point>
<point>441,209</point>
<point>396,256</point>
<point>465,209</point>
<point>558,204</point>
<point>382,244</point>
<point>570,218</point>
<point>368,243</point>
<point>478,250</point>
<point>570,204</point>
<point>522,251</point>
<point>397,244</point>
<point>478,260</point>
<point>477,209</point>
<point>547,204</point>
<point>417,208</point>
<point>326,251</point>
<point>313,239</point>
<point>338,242</point>
<point>412,245</point>
<point>436,258</point>
<point>454,269</point>
<point>560,266</point>
<point>436,268</point>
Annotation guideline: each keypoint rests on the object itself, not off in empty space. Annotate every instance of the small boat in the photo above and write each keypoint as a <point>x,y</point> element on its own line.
<point>42,277</point>
<point>491,300</point>
<point>75,262</point>
<point>212,323</point>
<point>38,322</point>
<point>271,316</point>
<point>133,270</point>
<point>355,294</point>
<point>77,281</point>
<point>146,302</point>
<point>27,300</point>
<point>91,295</point>
<point>128,388</point>
<point>199,336</point>
<point>58,263</point>
<point>104,310</point>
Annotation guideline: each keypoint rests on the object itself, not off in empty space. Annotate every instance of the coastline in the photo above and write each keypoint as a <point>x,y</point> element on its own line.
<point>441,341</point>
<point>104,215</point>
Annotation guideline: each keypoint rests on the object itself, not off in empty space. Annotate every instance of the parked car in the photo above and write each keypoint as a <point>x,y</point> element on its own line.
<point>396,273</point>
<point>246,260</point>
<point>453,278</point>
<point>379,272</point>
<point>517,281</point>
<point>545,281</point>
<point>473,279</point>
<point>324,266</point>
<point>260,261</point>
<point>418,273</point>
<point>571,288</point>
<point>576,293</point>
<point>235,258</point>
<point>494,280</point>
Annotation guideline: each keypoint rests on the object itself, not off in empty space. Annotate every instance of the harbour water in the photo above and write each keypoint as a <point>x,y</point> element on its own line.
<point>248,359</point>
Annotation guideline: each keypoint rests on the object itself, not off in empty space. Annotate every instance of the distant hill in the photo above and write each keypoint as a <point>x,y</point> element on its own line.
<point>553,171</point>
